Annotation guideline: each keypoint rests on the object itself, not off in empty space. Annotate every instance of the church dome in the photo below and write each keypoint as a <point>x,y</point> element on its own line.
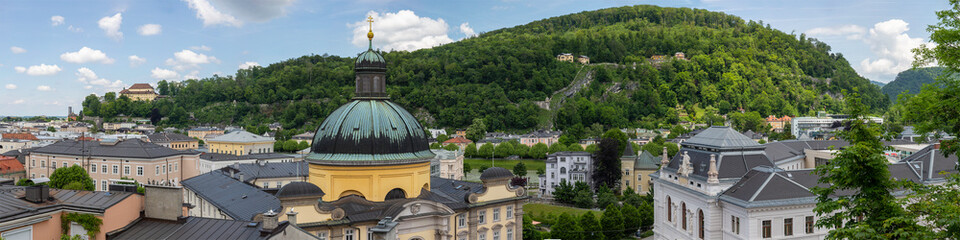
<point>370,131</point>
<point>299,189</point>
<point>370,60</point>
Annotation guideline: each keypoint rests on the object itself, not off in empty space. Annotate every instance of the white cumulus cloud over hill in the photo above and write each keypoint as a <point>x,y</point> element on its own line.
<point>85,55</point>
<point>403,30</point>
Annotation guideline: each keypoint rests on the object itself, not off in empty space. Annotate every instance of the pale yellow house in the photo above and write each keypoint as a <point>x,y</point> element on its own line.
<point>174,140</point>
<point>566,57</point>
<point>637,169</point>
<point>202,132</point>
<point>140,92</point>
<point>240,143</point>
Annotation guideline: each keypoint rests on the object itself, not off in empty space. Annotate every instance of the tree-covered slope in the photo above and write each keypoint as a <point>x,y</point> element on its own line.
<point>498,76</point>
<point>911,81</point>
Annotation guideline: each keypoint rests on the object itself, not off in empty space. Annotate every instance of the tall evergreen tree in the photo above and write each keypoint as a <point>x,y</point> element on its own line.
<point>612,221</point>
<point>566,228</point>
<point>606,164</point>
<point>631,219</point>
<point>591,226</point>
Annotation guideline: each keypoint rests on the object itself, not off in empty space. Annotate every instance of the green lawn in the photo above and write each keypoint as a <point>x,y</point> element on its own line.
<point>537,209</point>
<point>508,164</point>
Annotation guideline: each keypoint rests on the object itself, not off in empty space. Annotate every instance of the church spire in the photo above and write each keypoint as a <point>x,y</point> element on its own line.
<point>371,71</point>
<point>370,33</point>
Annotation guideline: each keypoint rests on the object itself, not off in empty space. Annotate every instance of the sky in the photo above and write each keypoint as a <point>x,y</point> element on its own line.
<point>54,53</point>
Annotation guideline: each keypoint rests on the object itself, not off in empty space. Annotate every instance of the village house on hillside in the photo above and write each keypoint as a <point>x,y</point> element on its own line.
<point>140,92</point>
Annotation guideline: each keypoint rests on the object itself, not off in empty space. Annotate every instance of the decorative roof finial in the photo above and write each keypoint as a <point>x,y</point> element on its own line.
<point>370,33</point>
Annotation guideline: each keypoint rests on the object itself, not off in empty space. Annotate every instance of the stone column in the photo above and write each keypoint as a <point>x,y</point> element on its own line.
<point>336,234</point>
<point>472,221</point>
<point>518,217</point>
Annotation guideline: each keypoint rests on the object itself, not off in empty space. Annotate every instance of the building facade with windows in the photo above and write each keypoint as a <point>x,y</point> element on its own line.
<point>570,167</point>
<point>106,161</point>
<point>174,140</point>
<point>240,143</point>
<point>140,92</point>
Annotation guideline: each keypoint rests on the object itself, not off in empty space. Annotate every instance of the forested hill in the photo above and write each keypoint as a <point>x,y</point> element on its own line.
<point>498,75</point>
<point>912,81</point>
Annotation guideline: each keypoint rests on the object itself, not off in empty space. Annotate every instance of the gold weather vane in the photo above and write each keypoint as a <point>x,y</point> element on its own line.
<point>370,33</point>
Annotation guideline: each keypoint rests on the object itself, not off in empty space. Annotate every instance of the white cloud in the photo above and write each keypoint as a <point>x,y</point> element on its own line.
<point>85,55</point>
<point>467,30</point>
<point>254,11</point>
<point>44,88</point>
<point>210,15</point>
<point>111,26</point>
<point>403,30</point>
<point>160,73</point>
<point>87,76</point>
<point>74,29</point>
<point>201,48</point>
<point>135,60</point>
<point>892,47</point>
<point>11,86</point>
<point>246,65</point>
<point>850,31</point>
<point>185,59</point>
<point>17,50</point>
<point>150,29</point>
<point>39,70</point>
<point>19,101</point>
<point>192,75</point>
<point>56,20</point>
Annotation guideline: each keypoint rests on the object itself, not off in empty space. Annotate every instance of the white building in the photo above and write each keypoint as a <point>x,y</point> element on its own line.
<point>571,167</point>
<point>722,185</point>
<point>213,161</point>
<point>811,126</point>
<point>451,164</point>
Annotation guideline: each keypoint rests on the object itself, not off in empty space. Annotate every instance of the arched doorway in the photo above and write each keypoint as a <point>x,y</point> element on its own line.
<point>395,193</point>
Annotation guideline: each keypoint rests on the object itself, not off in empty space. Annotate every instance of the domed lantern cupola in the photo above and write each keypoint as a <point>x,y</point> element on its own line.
<point>371,71</point>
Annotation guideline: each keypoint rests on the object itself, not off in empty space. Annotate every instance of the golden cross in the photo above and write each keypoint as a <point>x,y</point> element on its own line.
<point>370,20</point>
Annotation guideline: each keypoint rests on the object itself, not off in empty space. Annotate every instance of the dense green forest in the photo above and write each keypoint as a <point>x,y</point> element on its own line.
<point>732,64</point>
<point>911,81</point>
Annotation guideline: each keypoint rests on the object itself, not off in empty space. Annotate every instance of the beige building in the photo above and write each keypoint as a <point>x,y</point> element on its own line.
<point>106,161</point>
<point>175,141</point>
<point>202,132</point>
<point>240,143</point>
<point>637,169</point>
<point>451,164</point>
<point>140,92</point>
<point>566,57</point>
<point>118,126</point>
<point>583,59</point>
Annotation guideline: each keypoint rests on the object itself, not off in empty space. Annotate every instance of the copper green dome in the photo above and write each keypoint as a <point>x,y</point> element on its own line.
<point>370,132</point>
<point>370,60</point>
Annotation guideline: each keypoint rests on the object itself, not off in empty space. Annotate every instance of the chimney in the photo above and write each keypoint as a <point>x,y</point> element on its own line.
<point>241,177</point>
<point>664,161</point>
<point>292,217</point>
<point>712,173</point>
<point>269,221</point>
<point>163,202</point>
<point>37,193</point>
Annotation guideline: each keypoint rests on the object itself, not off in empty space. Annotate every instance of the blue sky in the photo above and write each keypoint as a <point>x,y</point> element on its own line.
<point>53,53</point>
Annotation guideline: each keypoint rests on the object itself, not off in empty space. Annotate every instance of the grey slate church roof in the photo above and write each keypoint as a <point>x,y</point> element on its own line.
<point>169,137</point>
<point>721,137</point>
<point>236,199</point>
<point>253,171</point>
<point>197,228</point>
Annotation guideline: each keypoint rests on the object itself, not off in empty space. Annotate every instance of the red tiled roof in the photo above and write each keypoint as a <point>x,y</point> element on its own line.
<point>141,86</point>
<point>10,165</point>
<point>457,140</point>
<point>21,136</point>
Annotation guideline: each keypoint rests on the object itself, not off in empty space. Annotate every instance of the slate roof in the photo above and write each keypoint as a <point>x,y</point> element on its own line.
<point>12,205</point>
<point>728,166</point>
<point>130,148</point>
<point>646,161</point>
<point>205,129</point>
<point>236,199</point>
<point>216,157</point>
<point>240,137</point>
<point>721,137</point>
<point>495,173</point>
<point>930,162</point>
<point>169,137</point>
<point>299,189</point>
<point>252,171</point>
<point>196,228</point>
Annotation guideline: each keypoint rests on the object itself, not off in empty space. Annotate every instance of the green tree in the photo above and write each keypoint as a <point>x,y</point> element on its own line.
<point>521,150</point>
<point>541,171</point>
<point>51,129</point>
<point>564,193</point>
<point>530,231</point>
<point>74,186</point>
<point>592,148</point>
<point>861,168</point>
<point>606,164</point>
<point>503,150</point>
<point>442,138</point>
<point>451,147</point>
<point>25,182</point>
<point>591,226</point>
<point>566,228</point>
<point>556,147</point>
<point>631,219</point>
<point>470,151</point>
<point>575,147</point>
<point>646,214</point>
<point>476,130</point>
<point>605,196</point>
<point>672,148</point>
<point>436,146</point>
<point>520,169</point>
<point>538,151</point>
<point>618,135</point>
<point>91,105</point>
<point>467,168</point>
<point>612,222</point>
<point>304,145</point>
<point>583,198</point>
<point>63,176</point>
<point>486,150</point>
<point>290,146</point>
<point>483,167</point>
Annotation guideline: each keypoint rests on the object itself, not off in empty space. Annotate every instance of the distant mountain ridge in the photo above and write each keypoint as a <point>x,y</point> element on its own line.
<point>911,81</point>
